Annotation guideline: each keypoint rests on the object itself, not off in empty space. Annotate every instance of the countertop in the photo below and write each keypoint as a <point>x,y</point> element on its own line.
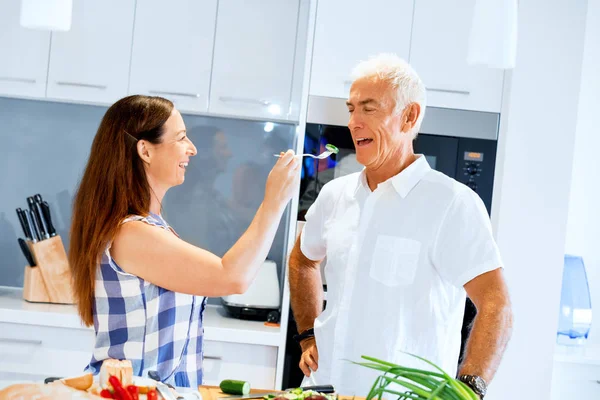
<point>218,325</point>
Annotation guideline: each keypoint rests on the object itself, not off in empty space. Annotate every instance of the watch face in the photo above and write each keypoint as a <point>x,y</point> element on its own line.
<point>476,383</point>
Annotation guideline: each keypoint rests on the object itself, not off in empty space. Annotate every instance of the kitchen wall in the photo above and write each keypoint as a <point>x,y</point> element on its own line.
<point>44,147</point>
<point>583,224</point>
<point>532,184</point>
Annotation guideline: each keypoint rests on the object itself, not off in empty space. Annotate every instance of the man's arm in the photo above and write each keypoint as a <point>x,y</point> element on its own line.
<point>306,292</point>
<point>492,327</point>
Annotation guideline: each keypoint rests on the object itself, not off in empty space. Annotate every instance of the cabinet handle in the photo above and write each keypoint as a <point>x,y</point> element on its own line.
<point>86,85</point>
<point>12,79</point>
<point>450,90</point>
<point>229,99</point>
<point>213,358</point>
<point>21,341</point>
<point>194,95</point>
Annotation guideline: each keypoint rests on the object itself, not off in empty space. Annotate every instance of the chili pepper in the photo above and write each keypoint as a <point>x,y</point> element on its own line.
<point>152,395</point>
<point>134,392</point>
<point>106,394</point>
<point>120,392</point>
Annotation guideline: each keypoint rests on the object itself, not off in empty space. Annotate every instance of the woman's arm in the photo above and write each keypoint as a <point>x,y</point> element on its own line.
<point>163,259</point>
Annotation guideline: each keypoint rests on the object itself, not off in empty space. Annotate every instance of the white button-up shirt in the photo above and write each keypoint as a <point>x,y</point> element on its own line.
<point>397,260</point>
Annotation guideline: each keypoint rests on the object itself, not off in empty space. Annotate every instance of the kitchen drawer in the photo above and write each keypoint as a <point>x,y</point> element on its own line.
<point>253,363</point>
<point>44,351</point>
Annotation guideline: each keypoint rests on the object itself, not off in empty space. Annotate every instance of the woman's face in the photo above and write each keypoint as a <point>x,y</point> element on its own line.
<point>166,162</point>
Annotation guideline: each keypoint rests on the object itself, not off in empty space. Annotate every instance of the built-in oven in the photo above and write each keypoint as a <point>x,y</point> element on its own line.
<point>461,144</point>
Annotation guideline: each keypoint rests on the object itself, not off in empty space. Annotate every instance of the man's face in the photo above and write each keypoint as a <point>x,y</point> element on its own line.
<point>375,128</point>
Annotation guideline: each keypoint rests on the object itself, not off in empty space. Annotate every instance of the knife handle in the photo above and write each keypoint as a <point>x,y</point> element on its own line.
<point>31,225</point>
<point>23,222</point>
<point>42,221</point>
<point>320,388</point>
<point>48,217</point>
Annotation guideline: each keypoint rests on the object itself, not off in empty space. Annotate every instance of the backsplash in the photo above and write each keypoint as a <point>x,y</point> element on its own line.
<point>44,147</point>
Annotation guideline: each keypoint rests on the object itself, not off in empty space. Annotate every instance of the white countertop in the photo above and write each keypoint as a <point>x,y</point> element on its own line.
<point>589,354</point>
<point>218,326</point>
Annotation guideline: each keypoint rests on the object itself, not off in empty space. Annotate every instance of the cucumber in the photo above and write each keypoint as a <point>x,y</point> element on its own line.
<point>231,386</point>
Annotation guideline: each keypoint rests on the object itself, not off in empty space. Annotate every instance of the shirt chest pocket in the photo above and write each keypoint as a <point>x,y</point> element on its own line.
<point>394,260</point>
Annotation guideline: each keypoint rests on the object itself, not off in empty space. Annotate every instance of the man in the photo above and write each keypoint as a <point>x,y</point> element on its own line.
<point>404,243</point>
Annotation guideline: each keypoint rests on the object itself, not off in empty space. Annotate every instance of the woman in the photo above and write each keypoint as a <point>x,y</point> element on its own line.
<point>142,287</point>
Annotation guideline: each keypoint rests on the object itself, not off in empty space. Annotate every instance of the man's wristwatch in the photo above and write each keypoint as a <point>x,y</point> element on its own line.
<point>476,383</point>
<point>304,335</point>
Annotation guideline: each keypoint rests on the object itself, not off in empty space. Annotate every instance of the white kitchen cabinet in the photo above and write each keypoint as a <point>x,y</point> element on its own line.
<point>24,54</point>
<point>575,380</point>
<point>347,32</point>
<point>36,352</point>
<point>90,63</point>
<point>254,58</point>
<point>248,362</point>
<point>440,40</point>
<point>172,51</point>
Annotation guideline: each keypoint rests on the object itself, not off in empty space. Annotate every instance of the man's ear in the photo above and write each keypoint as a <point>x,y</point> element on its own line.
<point>410,116</point>
<point>143,151</point>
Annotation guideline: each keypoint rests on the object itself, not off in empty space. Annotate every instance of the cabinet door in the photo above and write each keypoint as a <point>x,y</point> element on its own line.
<point>172,51</point>
<point>347,32</point>
<point>24,54</point>
<point>254,58</point>
<point>90,63</point>
<point>439,46</point>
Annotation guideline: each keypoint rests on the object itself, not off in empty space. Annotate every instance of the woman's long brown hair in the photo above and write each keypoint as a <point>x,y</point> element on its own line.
<point>113,186</point>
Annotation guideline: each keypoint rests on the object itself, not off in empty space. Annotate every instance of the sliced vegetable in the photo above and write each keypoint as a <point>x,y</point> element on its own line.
<point>134,392</point>
<point>106,394</point>
<point>332,148</point>
<point>231,386</point>
<point>152,395</point>
<point>120,392</point>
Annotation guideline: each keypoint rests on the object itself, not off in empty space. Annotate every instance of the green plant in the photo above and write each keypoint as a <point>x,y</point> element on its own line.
<point>421,384</point>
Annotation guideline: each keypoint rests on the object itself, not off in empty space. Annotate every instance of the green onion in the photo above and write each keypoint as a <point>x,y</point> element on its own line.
<point>420,384</point>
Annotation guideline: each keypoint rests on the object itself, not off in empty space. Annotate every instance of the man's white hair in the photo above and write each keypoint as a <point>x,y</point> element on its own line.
<point>401,77</point>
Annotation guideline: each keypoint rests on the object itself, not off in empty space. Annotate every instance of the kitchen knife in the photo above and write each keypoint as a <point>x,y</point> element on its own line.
<point>23,223</point>
<point>37,219</point>
<point>48,217</point>
<point>319,388</point>
<point>26,252</point>
<point>163,389</point>
<point>30,222</point>
<point>38,198</point>
<point>43,224</point>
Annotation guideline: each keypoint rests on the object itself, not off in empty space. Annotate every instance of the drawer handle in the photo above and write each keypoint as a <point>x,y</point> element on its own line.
<point>79,84</point>
<point>450,90</point>
<point>194,95</point>
<point>213,358</point>
<point>247,100</point>
<point>12,79</point>
<point>21,341</point>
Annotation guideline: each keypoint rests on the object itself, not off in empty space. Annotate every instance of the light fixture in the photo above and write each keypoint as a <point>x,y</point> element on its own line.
<point>53,15</point>
<point>274,109</point>
<point>269,127</point>
<point>493,38</point>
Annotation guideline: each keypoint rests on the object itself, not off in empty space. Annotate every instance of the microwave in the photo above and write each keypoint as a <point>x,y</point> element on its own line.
<point>459,143</point>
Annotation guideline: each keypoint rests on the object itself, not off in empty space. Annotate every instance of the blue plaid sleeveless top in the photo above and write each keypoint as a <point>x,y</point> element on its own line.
<point>157,329</point>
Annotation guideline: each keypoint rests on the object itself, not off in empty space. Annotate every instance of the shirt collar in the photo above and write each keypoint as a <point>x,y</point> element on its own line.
<point>403,182</point>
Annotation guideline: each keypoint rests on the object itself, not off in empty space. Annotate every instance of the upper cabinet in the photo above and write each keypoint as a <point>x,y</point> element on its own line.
<point>439,45</point>
<point>172,51</point>
<point>90,63</point>
<point>24,54</point>
<point>254,58</point>
<point>347,32</point>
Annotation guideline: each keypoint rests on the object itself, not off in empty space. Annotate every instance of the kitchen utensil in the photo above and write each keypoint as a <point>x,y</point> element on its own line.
<point>163,389</point>
<point>35,236</point>
<point>43,225</point>
<point>26,252</point>
<point>23,222</point>
<point>321,156</point>
<point>319,388</point>
<point>48,218</point>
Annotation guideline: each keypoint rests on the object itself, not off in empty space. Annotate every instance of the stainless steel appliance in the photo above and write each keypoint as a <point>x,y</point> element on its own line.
<point>461,144</point>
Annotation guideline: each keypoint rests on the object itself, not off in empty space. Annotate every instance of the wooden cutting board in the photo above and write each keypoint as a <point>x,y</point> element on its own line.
<point>214,392</point>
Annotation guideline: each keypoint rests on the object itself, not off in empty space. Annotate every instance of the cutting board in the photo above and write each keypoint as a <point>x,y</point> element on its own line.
<point>214,392</point>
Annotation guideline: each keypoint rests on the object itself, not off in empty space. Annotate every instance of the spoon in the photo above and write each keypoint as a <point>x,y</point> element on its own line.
<point>331,149</point>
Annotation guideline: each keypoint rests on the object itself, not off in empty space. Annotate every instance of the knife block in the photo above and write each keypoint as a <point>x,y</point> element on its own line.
<point>50,280</point>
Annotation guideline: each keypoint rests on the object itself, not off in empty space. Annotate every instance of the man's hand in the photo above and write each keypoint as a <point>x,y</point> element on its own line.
<point>310,356</point>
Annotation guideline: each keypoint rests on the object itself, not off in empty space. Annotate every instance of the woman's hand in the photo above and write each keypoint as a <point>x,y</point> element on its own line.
<point>283,181</point>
